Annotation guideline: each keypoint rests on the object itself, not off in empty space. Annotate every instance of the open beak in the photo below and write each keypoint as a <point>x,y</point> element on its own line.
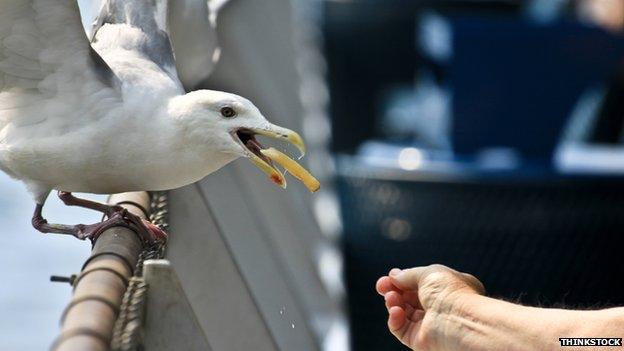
<point>264,158</point>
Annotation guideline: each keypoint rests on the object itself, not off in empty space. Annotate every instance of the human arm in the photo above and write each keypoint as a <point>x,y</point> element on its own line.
<point>437,308</point>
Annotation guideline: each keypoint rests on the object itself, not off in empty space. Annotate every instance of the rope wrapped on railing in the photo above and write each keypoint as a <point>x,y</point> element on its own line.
<point>128,330</point>
<point>106,308</point>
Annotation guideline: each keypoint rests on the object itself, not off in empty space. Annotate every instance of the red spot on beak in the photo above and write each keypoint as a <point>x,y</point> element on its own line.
<point>276,179</point>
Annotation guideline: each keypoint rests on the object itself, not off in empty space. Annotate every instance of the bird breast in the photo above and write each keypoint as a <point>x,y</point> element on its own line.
<point>116,154</point>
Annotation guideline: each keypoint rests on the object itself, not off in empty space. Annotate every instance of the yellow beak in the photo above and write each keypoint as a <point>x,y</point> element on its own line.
<point>286,135</point>
<point>273,155</point>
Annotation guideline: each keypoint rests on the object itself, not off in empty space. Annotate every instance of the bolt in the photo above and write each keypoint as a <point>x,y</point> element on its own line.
<point>62,279</point>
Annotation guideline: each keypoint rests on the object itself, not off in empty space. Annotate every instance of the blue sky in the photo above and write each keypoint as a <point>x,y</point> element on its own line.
<point>31,305</point>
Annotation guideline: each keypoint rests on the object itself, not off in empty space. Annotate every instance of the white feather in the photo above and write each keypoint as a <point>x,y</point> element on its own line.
<point>75,121</point>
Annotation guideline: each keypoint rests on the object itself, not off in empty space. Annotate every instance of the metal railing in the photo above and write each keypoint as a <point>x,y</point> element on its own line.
<point>90,322</point>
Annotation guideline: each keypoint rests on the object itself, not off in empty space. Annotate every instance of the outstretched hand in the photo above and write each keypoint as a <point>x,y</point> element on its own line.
<point>420,299</point>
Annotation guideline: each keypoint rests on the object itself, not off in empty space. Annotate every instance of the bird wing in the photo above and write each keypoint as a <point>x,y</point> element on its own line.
<point>150,17</point>
<point>51,79</point>
<point>180,35</point>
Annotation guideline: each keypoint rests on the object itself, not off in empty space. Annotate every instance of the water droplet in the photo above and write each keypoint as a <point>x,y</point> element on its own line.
<point>292,325</point>
<point>282,310</point>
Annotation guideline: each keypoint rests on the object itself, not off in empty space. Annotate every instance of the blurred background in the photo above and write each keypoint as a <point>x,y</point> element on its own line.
<point>483,135</point>
<point>31,305</point>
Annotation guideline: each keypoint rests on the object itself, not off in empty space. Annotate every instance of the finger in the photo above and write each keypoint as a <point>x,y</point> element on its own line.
<point>396,321</point>
<point>416,316</point>
<point>409,310</point>
<point>394,271</point>
<point>392,299</point>
<point>411,299</point>
<point>380,286</point>
<point>384,285</point>
<point>408,279</point>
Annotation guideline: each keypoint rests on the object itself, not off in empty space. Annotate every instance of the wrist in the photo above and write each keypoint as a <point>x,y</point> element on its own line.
<point>454,323</point>
<point>474,322</point>
<point>590,324</point>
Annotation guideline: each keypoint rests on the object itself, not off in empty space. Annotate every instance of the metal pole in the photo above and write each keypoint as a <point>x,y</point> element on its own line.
<point>87,322</point>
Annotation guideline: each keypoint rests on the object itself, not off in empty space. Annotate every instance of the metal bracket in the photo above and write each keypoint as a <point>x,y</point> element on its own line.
<point>63,279</point>
<point>170,321</point>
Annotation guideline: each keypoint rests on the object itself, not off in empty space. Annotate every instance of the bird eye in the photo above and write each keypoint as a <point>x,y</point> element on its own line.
<point>228,112</point>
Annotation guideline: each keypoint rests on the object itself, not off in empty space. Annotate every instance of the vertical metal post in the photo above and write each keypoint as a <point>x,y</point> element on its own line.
<point>87,322</point>
<point>171,323</point>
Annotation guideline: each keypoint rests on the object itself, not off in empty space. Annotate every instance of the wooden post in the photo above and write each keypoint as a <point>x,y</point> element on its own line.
<point>87,322</point>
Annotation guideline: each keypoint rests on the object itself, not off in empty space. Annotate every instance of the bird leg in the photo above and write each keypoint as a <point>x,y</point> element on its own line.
<point>80,231</point>
<point>70,200</point>
<point>117,216</point>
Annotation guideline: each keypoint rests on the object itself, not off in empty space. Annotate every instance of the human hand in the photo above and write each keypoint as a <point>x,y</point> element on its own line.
<point>420,300</point>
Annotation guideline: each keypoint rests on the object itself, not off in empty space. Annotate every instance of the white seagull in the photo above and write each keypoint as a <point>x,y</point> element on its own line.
<point>110,115</point>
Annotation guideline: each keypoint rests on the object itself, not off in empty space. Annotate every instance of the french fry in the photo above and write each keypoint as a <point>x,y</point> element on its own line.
<point>274,174</point>
<point>293,167</point>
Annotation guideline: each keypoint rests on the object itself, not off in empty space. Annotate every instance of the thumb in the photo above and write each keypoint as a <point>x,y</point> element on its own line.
<point>408,279</point>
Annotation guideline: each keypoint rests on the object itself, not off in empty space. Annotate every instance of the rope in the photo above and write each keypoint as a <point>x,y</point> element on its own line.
<point>127,331</point>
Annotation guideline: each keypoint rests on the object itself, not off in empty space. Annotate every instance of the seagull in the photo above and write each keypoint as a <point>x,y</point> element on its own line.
<point>110,113</point>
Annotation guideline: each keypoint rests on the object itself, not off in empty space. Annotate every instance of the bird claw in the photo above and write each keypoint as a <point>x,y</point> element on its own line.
<point>110,211</point>
<point>93,231</point>
<point>148,232</point>
<point>118,216</point>
<point>155,233</point>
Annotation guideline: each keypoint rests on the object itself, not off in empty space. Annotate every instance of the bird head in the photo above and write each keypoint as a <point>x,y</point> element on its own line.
<point>228,124</point>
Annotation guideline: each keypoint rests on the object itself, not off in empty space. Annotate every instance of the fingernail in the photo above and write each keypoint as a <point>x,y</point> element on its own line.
<point>394,272</point>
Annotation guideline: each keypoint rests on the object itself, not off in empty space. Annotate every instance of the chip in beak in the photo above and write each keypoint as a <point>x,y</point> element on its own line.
<point>293,168</point>
<point>263,158</point>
